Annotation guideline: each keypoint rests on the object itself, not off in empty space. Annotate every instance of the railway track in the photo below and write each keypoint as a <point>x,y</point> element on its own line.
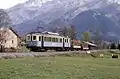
<point>11,55</point>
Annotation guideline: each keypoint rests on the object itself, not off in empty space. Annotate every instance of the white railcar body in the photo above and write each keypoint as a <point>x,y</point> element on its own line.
<point>47,41</point>
<point>67,42</point>
<point>52,41</point>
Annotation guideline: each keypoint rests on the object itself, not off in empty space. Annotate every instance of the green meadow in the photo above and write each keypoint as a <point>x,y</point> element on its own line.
<point>60,67</point>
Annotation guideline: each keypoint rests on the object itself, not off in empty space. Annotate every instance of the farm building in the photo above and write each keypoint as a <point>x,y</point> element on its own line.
<point>88,45</point>
<point>9,38</point>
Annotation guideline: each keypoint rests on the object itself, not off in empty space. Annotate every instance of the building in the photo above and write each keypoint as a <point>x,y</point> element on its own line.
<point>9,38</point>
<point>88,45</point>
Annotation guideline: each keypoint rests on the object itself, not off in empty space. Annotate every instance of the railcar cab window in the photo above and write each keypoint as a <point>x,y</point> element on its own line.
<point>28,38</point>
<point>34,38</point>
<point>65,41</point>
<point>60,40</point>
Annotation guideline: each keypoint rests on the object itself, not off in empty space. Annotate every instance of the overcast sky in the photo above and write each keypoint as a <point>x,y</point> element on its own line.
<point>5,4</point>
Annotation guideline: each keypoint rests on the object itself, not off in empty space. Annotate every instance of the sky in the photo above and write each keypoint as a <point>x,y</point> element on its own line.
<point>5,4</point>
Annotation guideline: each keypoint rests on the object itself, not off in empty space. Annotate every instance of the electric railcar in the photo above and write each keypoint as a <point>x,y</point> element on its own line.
<point>48,41</point>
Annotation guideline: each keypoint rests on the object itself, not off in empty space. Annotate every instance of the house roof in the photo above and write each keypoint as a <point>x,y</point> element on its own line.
<point>15,32</point>
<point>90,44</point>
<point>10,28</point>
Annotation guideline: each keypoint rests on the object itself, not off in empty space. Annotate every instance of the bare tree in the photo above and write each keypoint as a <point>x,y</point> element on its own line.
<point>72,32</point>
<point>3,38</point>
<point>4,22</point>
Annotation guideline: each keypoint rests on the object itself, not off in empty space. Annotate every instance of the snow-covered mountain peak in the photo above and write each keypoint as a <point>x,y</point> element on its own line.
<point>114,1</point>
<point>36,2</point>
<point>84,14</point>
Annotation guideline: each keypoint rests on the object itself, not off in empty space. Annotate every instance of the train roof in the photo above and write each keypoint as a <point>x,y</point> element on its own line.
<point>91,44</point>
<point>46,33</point>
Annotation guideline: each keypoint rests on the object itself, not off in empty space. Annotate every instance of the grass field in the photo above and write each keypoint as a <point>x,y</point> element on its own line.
<point>60,68</point>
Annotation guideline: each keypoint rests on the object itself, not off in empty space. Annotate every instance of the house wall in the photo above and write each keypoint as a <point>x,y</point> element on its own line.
<point>11,40</point>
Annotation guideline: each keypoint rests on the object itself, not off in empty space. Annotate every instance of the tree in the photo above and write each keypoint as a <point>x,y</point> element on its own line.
<point>62,31</point>
<point>69,31</point>
<point>3,38</point>
<point>4,22</point>
<point>118,47</point>
<point>97,37</point>
<point>72,32</point>
<point>86,36</point>
<point>113,46</point>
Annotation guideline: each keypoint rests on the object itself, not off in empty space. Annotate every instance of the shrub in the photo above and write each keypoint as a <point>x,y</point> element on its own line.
<point>114,56</point>
<point>101,55</point>
<point>113,46</point>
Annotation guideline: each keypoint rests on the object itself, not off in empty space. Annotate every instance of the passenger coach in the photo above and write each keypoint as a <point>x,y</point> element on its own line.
<point>47,41</point>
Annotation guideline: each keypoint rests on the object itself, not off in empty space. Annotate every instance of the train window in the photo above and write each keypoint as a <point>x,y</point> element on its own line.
<point>60,40</point>
<point>50,39</point>
<point>39,38</point>
<point>28,37</point>
<point>56,39</point>
<point>34,37</point>
<point>45,38</point>
<point>53,39</point>
<point>66,40</point>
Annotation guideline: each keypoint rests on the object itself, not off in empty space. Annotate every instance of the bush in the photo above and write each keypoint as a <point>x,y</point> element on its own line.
<point>10,49</point>
<point>113,46</point>
<point>118,46</point>
<point>114,56</point>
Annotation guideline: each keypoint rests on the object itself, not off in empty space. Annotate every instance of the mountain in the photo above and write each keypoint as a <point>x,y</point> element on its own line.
<point>83,14</point>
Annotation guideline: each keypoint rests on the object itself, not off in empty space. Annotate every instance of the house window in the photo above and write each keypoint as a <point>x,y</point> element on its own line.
<point>12,41</point>
<point>5,41</point>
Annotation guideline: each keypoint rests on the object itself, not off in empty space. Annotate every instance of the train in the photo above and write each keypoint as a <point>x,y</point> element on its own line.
<point>44,41</point>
